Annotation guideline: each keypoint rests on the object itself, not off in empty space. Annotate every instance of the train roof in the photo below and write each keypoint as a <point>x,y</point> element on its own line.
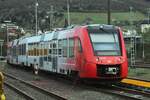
<point>65,33</point>
<point>61,33</point>
<point>10,43</point>
<point>101,26</point>
<point>48,36</point>
<point>34,39</point>
<point>22,40</point>
<point>15,42</point>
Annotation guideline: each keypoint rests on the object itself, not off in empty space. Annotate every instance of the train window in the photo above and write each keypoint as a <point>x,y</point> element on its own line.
<point>54,45</point>
<point>29,49</point>
<point>105,43</point>
<point>32,49</point>
<point>35,49</point>
<point>60,43</point>
<point>51,46</point>
<point>71,46</point>
<point>19,49</point>
<point>45,58</point>
<point>60,47</point>
<point>59,51</point>
<point>49,58</point>
<point>40,49</point>
<point>45,51</point>
<point>65,47</point>
<point>34,52</point>
<point>24,49</point>
<point>79,46</point>
<point>50,51</point>
<point>54,51</point>
<point>37,54</point>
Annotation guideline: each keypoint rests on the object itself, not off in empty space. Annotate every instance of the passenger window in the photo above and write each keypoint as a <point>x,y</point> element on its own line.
<point>65,47</point>
<point>54,45</point>
<point>49,58</point>
<point>45,58</point>
<point>60,47</point>
<point>59,51</point>
<point>50,51</point>
<point>79,46</point>
<point>71,47</point>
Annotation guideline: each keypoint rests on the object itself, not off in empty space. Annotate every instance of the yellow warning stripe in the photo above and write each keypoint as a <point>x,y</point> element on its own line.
<point>136,82</point>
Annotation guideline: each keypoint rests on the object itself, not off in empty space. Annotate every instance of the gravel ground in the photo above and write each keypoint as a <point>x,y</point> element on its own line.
<point>71,92</point>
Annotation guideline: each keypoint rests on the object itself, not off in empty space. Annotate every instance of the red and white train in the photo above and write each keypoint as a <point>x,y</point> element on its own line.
<point>92,52</point>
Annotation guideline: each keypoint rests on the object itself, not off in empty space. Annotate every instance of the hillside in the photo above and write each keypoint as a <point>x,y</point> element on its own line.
<point>22,11</point>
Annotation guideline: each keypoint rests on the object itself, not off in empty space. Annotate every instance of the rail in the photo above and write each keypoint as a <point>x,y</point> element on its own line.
<point>52,94</point>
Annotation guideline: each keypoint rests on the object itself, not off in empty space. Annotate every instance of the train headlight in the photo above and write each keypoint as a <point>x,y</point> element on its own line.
<point>97,59</point>
<point>111,70</point>
<point>121,59</point>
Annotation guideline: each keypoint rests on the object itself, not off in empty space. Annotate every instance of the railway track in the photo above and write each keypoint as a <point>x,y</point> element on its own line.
<point>135,91</point>
<point>142,65</point>
<point>29,91</point>
<point>122,90</point>
<point>127,91</point>
<point>20,92</point>
<point>132,88</point>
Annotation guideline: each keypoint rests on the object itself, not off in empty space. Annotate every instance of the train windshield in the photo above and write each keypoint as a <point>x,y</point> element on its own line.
<point>105,43</point>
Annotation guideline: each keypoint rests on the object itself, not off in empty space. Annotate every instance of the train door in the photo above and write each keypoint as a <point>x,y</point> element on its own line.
<point>54,55</point>
<point>26,53</point>
<point>78,54</point>
<point>41,45</point>
<point>47,57</point>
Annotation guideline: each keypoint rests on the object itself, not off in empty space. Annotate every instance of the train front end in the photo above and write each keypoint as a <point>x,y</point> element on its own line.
<point>105,57</point>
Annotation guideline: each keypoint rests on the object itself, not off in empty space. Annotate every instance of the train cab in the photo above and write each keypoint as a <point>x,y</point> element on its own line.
<point>104,54</point>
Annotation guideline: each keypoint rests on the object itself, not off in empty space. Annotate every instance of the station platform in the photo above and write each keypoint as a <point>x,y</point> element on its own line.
<point>137,82</point>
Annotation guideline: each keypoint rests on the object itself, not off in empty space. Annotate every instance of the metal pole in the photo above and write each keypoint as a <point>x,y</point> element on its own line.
<point>1,49</point>
<point>131,8</point>
<point>108,13</point>
<point>6,33</point>
<point>36,18</point>
<point>51,17</point>
<point>6,39</point>
<point>143,53</point>
<point>68,11</point>
<point>148,15</point>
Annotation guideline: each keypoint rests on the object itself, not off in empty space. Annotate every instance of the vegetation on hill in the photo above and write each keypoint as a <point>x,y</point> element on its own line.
<point>23,11</point>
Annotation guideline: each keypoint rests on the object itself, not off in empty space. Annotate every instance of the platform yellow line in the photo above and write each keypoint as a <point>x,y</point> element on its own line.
<point>136,82</point>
